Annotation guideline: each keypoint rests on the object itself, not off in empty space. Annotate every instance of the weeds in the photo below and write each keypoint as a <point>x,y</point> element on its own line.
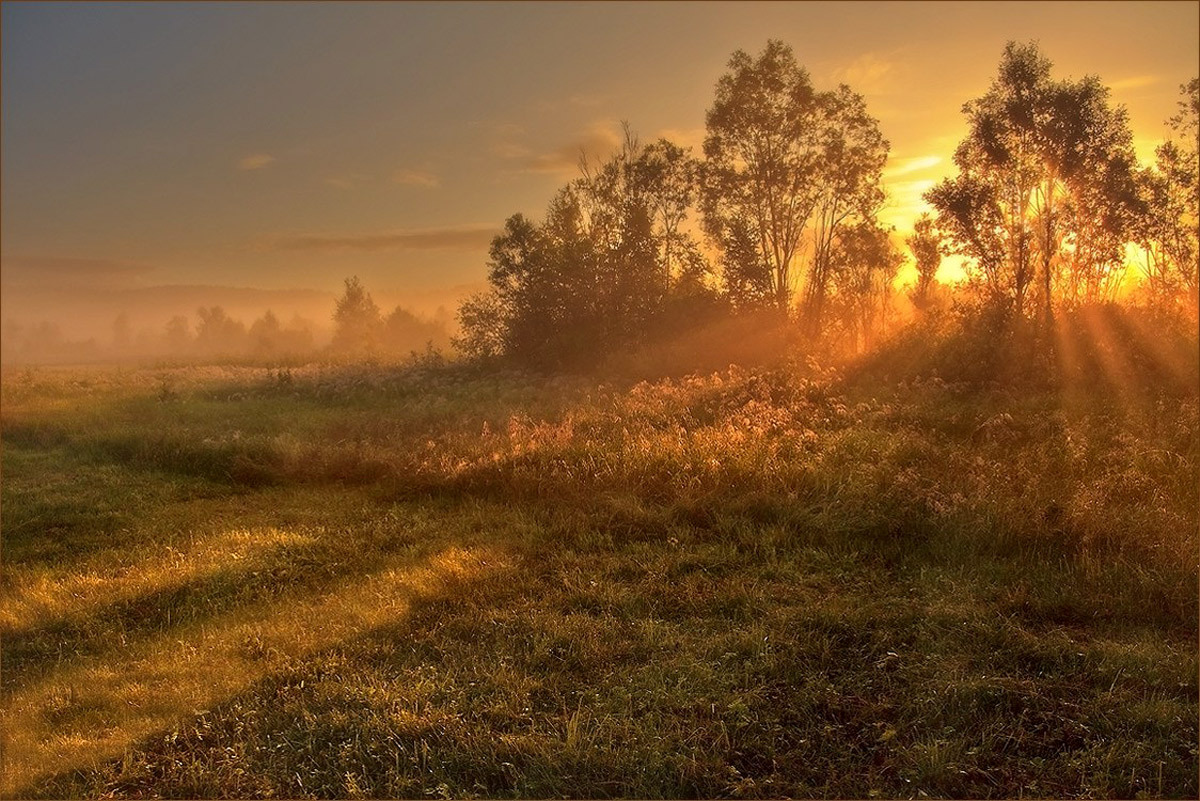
<point>335,581</point>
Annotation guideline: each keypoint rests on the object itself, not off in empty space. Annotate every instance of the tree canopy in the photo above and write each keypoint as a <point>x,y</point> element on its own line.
<point>1046,194</point>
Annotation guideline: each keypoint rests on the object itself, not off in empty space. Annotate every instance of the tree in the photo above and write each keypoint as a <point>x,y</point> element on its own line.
<point>863,263</point>
<point>746,274</point>
<point>177,334</point>
<point>617,202</point>
<point>666,178</point>
<point>356,320</point>
<point>782,157</point>
<point>405,332</point>
<point>1045,191</point>
<point>600,272</point>
<point>763,152</point>
<point>1169,228</point>
<point>483,327</point>
<point>266,334</point>
<point>926,247</point>
<point>122,332</point>
<point>218,333</point>
<point>849,187</point>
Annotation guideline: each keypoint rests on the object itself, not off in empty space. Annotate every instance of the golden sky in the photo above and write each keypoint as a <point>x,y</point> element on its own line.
<point>286,146</point>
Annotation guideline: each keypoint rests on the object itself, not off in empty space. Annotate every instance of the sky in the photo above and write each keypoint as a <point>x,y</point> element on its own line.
<point>286,146</point>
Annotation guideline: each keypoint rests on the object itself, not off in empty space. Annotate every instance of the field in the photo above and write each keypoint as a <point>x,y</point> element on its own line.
<point>431,581</point>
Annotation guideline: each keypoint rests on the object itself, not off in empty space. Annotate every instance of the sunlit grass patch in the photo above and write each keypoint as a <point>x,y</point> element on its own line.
<point>754,582</point>
<point>103,704</point>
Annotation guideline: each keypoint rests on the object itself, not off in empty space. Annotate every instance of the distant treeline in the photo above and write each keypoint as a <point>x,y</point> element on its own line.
<point>360,330</point>
<point>781,217</point>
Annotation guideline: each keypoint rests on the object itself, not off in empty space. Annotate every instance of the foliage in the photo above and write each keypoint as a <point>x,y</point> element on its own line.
<point>1170,228</point>
<point>216,332</point>
<point>435,581</point>
<point>607,268</point>
<point>926,247</point>
<point>762,153</point>
<point>356,319</point>
<point>849,196</point>
<point>862,267</point>
<point>779,156</point>
<point>1045,192</point>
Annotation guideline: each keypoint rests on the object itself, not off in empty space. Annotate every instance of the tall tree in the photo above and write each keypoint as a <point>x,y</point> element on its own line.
<point>1170,226</point>
<point>666,177</point>
<point>849,189</point>
<point>785,161</point>
<point>619,199</point>
<point>764,151</point>
<point>1045,184</point>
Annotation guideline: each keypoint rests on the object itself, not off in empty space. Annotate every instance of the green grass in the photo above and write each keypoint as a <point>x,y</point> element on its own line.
<point>382,582</point>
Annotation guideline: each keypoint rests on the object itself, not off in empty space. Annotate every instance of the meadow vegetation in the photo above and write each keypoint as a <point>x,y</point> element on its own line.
<point>912,575</point>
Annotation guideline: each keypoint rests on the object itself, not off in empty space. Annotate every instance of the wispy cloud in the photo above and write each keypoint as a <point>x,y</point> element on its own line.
<point>463,237</point>
<point>911,165</point>
<point>53,271</point>
<point>598,140</point>
<point>422,178</point>
<point>256,161</point>
<point>906,202</point>
<point>346,181</point>
<point>868,74</point>
<point>1135,82</point>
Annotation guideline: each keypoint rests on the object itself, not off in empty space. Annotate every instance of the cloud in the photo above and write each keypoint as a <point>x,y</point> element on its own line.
<point>256,161</point>
<point>464,237</point>
<point>52,271</point>
<point>415,178</point>
<point>1135,82</point>
<point>868,74</point>
<point>910,165</point>
<point>509,151</point>
<point>599,140</point>
<point>348,181</point>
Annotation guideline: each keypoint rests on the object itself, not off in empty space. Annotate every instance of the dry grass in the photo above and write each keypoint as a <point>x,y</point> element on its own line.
<point>355,582</point>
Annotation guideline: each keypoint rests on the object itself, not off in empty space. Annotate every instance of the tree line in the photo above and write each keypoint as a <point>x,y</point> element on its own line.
<point>780,216</point>
<point>360,330</point>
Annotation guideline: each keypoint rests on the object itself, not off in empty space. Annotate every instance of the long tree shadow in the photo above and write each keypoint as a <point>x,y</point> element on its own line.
<point>283,705</point>
<point>92,709</point>
<point>280,573</point>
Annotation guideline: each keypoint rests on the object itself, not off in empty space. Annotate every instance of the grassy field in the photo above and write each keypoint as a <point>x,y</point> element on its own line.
<point>432,582</point>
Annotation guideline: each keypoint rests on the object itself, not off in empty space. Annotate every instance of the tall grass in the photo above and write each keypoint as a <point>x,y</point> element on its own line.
<point>889,580</point>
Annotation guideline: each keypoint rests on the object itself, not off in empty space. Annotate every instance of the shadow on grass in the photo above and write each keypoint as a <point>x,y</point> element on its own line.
<point>488,688</point>
<point>94,708</point>
<point>274,576</point>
